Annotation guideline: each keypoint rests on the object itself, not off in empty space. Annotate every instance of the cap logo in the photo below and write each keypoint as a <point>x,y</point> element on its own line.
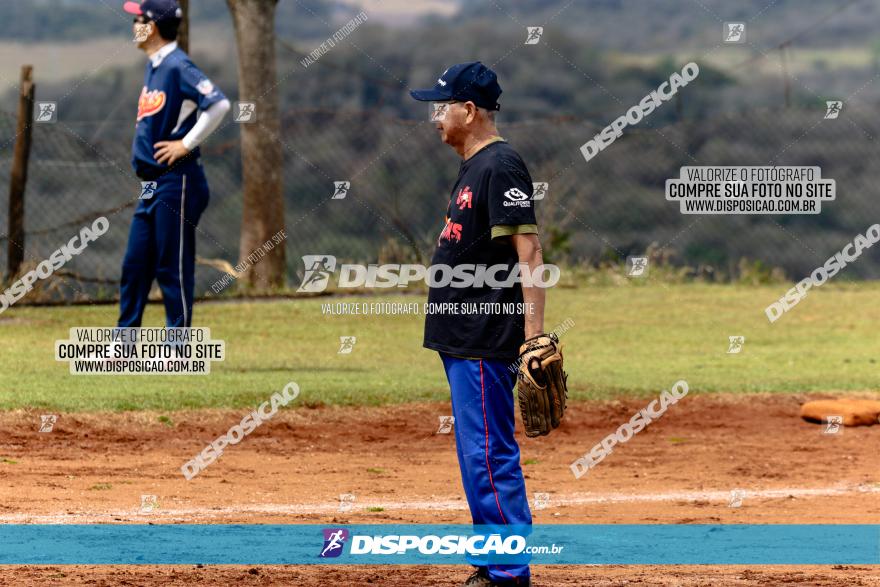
<point>440,79</point>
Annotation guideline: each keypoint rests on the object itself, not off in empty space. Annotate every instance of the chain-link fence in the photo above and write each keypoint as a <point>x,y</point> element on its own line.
<point>400,177</point>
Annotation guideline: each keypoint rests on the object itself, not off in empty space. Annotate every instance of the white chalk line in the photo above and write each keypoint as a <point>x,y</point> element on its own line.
<point>555,501</point>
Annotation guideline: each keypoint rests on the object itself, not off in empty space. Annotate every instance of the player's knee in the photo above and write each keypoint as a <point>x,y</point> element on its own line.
<point>131,268</point>
<point>168,275</point>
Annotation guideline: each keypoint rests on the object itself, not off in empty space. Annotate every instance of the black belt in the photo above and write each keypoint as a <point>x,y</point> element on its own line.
<point>152,173</point>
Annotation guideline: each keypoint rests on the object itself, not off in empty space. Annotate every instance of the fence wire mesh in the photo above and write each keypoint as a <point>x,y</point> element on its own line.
<point>400,176</point>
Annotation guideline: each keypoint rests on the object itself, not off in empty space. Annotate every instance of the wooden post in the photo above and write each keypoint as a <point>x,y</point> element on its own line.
<point>262,160</point>
<point>183,31</point>
<point>783,48</point>
<point>18,177</point>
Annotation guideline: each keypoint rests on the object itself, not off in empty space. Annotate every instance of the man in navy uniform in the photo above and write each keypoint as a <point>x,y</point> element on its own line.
<point>177,109</point>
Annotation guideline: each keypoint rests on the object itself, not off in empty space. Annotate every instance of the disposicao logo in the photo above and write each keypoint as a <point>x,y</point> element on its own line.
<point>334,540</point>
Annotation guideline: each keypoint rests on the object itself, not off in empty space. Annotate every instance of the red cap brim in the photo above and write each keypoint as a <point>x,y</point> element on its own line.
<point>132,7</point>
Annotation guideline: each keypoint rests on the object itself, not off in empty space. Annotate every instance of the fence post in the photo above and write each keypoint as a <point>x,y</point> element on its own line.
<point>18,177</point>
<point>786,79</point>
<point>183,31</point>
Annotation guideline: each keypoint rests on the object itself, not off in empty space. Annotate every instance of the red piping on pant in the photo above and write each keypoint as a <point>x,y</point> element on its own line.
<point>486,428</point>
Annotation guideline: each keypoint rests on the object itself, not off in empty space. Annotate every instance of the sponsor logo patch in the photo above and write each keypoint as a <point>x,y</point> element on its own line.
<point>205,87</point>
<point>517,197</point>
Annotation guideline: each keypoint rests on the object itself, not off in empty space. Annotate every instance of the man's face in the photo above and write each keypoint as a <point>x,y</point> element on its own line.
<point>453,119</point>
<point>142,30</point>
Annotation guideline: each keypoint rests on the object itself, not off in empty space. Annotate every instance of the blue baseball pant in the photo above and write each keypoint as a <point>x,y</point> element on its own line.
<point>162,246</point>
<point>488,455</point>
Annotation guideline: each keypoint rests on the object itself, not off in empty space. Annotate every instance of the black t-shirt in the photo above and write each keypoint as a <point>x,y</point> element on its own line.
<point>494,188</point>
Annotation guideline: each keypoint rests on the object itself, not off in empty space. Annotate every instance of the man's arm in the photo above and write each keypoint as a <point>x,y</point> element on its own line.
<point>207,122</point>
<point>528,249</point>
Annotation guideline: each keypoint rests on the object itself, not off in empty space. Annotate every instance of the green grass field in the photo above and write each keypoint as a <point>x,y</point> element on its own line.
<point>626,340</point>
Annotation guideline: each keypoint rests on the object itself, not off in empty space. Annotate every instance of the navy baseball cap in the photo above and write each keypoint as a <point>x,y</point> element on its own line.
<point>155,10</point>
<point>464,82</point>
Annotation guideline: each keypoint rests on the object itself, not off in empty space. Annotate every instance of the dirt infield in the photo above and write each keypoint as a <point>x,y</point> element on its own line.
<point>94,468</point>
<point>442,576</point>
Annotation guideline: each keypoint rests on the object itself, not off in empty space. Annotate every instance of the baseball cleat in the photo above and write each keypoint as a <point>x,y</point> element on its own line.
<point>480,578</point>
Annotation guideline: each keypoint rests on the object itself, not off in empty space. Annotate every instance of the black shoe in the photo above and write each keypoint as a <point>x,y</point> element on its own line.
<point>481,579</point>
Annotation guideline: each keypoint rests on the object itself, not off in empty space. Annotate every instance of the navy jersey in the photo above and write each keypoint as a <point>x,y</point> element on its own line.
<point>174,91</point>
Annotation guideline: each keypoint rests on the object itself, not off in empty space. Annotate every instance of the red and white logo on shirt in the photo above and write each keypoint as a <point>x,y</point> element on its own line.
<point>150,102</point>
<point>451,232</point>
<point>465,197</point>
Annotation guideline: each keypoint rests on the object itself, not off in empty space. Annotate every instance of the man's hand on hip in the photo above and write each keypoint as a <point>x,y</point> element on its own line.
<point>170,151</point>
